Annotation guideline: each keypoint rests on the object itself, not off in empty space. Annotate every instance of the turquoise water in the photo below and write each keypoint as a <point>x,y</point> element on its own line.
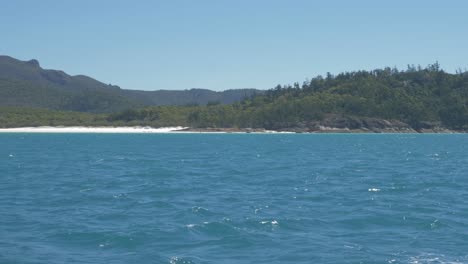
<point>233,198</point>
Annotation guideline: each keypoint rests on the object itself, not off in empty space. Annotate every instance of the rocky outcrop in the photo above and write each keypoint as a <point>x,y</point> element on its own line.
<point>353,124</point>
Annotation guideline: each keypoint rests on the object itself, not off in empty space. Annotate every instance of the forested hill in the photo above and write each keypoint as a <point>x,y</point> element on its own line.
<point>26,84</point>
<point>416,98</point>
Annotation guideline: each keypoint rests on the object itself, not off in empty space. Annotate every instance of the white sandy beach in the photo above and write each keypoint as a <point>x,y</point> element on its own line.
<point>91,130</point>
<point>123,130</point>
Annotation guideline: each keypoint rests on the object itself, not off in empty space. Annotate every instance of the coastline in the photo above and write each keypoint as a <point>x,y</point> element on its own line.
<point>83,129</point>
<point>187,130</point>
<point>324,130</point>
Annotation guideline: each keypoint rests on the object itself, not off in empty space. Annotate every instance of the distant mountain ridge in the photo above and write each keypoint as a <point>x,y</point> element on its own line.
<point>26,84</point>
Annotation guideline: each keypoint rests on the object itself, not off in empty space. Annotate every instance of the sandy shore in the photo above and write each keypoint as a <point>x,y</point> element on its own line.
<point>149,130</point>
<point>91,130</point>
<point>180,129</point>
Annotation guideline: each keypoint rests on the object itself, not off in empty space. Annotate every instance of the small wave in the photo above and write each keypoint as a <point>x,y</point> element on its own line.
<point>273,222</point>
<point>216,228</point>
<point>434,258</point>
<point>120,195</point>
<point>198,209</point>
<point>435,224</point>
<point>373,190</point>
<point>180,260</point>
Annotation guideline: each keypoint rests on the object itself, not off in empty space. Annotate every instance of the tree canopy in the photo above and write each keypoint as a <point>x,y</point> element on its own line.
<point>416,96</point>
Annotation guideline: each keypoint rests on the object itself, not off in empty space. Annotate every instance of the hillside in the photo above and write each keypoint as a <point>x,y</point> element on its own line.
<point>415,99</point>
<point>26,84</point>
<point>189,97</point>
<point>381,100</point>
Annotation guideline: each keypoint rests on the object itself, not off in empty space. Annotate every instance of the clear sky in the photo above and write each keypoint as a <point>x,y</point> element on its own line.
<point>220,44</point>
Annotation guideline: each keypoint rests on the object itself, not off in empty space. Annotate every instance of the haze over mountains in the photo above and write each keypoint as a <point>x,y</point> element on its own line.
<point>26,84</point>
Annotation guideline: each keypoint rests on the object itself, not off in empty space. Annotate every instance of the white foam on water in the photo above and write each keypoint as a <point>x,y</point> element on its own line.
<point>434,258</point>
<point>174,260</point>
<point>373,190</point>
<point>119,195</point>
<point>178,260</point>
<point>199,209</point>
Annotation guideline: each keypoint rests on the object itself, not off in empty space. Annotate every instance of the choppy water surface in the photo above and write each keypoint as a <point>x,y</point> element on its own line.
<point>229,198</point>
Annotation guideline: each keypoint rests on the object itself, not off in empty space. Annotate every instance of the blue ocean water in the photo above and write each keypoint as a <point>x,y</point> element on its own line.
<point>233,198</point>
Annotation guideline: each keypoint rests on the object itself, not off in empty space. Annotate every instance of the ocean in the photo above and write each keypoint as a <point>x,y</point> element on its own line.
<point>233,198</point>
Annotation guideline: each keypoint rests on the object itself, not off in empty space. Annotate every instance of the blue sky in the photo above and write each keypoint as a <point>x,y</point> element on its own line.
<point>220,44</point>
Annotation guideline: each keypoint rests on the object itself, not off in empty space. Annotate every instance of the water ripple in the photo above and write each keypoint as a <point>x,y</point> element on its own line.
<point>73,198</point>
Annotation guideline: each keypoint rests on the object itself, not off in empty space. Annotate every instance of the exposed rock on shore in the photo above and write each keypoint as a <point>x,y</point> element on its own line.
<point>340,124</point>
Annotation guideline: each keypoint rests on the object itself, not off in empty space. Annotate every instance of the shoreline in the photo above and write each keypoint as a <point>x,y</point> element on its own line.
<point>187,130</point>
<point>84,129</point>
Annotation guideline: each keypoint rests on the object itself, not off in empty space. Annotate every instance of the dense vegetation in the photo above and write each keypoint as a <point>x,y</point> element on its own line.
<point>26,84</point>
<point>26,117</point>
<point>420,97</point>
